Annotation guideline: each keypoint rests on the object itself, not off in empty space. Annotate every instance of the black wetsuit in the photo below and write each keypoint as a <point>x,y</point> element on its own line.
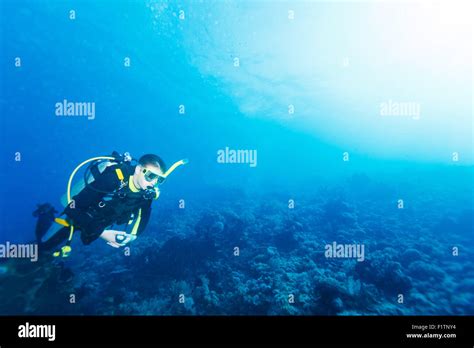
<point>104,202</point>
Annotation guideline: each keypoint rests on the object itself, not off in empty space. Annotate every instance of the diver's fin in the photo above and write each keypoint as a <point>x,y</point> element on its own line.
<point>56,239</point>
<point>44,208</point>
<point>45,214</point>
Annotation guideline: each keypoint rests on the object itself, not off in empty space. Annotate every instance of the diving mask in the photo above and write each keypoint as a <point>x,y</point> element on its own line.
<point>150,176</point>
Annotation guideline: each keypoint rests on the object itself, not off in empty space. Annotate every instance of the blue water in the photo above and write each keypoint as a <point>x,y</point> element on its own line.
<point>304,84</point>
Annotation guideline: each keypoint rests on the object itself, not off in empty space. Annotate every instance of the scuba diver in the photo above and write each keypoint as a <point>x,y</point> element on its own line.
<point>115,191</point>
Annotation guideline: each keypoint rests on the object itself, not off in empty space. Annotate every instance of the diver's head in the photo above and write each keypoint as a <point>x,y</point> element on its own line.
<point>149,172</point>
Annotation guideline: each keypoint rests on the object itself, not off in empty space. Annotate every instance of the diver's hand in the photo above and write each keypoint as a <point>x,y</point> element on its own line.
<point>110,237</point>
<point>128,238</point>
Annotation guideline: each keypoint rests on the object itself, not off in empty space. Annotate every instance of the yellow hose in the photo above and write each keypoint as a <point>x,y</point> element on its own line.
<point>174,166</point>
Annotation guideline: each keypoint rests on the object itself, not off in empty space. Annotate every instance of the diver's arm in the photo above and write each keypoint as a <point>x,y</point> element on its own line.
<point>139,222</point>
<point>138,225</point>
<point>110,236</point>
<point>141,219</point>
<point>146,212</point>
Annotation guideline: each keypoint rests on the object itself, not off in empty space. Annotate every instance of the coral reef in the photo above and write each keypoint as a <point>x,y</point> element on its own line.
<point>260,257</point>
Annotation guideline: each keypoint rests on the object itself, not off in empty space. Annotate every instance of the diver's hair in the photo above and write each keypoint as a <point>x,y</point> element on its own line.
<point>153,160</point>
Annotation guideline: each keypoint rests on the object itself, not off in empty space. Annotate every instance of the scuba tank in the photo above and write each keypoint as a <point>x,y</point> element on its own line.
<point>93,171</point>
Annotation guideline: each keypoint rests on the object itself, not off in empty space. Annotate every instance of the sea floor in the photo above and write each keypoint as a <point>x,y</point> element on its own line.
<point>268,256</point>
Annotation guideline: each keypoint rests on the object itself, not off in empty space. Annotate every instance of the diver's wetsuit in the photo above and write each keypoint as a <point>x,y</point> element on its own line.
<point>93,209</point>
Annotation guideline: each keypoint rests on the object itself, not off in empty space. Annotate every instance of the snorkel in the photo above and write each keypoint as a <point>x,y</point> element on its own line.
<point>173,167</point>
<point>150,176</point>
<point>153,192</point>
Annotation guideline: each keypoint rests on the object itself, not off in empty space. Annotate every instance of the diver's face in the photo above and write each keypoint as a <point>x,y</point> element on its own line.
<point>146,176</point>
